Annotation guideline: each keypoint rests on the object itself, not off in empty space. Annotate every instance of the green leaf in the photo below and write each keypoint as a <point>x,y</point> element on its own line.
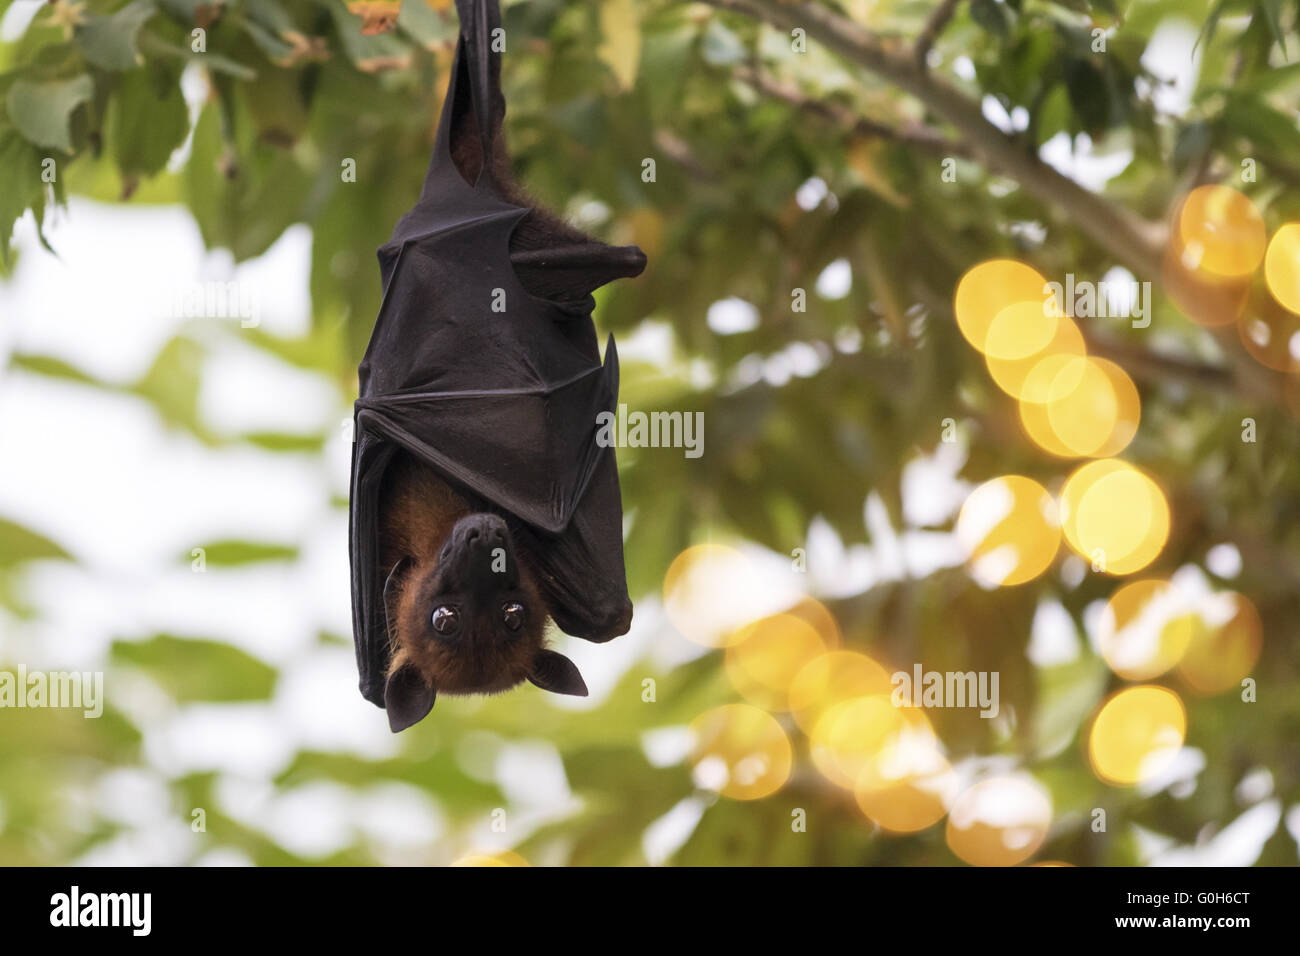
<point>52,367</point>
<point>19,544</point>
<point>20,171</point>
<point>994,17</point>
<point>1271,11</point>
<point>149,120</point>
<point>230,553</point>
<point>198,670</point>
<point>172,384</point>
<point>110,42</point>
<point>42,111</point>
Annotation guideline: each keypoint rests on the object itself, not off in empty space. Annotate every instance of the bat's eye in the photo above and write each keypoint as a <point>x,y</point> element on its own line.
<point>513,616</point>
<point>445,619</point>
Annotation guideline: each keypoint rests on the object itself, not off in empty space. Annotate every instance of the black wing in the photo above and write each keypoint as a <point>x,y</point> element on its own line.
<point>494,388</point>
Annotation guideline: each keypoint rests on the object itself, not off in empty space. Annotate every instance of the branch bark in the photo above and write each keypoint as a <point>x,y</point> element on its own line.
<point>933,27</point>
<point>914,134</point>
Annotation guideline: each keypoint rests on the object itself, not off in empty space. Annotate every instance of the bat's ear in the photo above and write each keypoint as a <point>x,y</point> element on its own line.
<point>558,674</point>
<point>407,698</point>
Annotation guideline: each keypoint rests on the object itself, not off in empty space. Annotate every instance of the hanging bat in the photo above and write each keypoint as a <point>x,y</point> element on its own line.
<point>481,503</point>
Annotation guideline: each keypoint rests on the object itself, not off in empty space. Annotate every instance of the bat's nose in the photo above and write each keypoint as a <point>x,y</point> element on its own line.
<point>483,530</point>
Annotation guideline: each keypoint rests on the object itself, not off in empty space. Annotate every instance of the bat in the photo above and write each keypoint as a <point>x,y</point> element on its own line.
<point>482,505</point>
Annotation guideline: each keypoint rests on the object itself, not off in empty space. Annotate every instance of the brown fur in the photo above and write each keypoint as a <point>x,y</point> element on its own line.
<point>421,512</point>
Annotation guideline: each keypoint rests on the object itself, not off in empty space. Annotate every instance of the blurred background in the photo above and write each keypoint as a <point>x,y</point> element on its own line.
<point>909,464</point>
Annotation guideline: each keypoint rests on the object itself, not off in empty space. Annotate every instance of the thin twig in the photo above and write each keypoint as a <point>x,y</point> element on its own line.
<point>912,134</point>
<point>933,27</point>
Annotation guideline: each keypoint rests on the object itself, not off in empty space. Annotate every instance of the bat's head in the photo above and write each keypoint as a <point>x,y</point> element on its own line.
<point>470,621</point>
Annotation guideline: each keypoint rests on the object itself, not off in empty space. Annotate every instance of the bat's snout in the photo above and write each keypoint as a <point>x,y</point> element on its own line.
<point>480,552</point>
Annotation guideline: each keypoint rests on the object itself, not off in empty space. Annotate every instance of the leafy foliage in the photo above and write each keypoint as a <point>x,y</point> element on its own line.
<point>807,411</point>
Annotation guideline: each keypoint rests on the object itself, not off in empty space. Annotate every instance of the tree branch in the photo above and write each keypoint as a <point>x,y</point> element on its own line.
<point>933,27</point>
<point>913,134</point>
<point>1132,241</point>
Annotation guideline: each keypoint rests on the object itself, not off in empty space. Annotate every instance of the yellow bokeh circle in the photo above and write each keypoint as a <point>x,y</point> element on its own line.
<point>503,858</point>
<point>740,751</point>
<point>1225,646</point>
<point>1145,629</point>
<point>1270,333</point>
<point>1010,375</point>
<point>830,679</point>
<point>705,594</point>
<point>1115,516</point>
<point>1221,231</point>
<point>908,784</point>
<point>989,288</point>
<point>1136,735</point>
<point>1022,329</point>
<point>1010,531</point>
<point>1000,821</point>
<point>1078,406</point>
<point>1282,266</point>
<point>852,734</point>
<point>768,654</point>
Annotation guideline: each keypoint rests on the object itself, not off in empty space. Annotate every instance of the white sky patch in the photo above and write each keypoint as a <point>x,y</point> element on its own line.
<point>670,832</point>
<point>1178,775</point>
<point>165,842</point>
<point>1254,786</point>
<point>131,796</point>
<point>811,193</point>
<point>16,19</point>
<point>731,316</point>
<point>1223,561</point>
<point>1003,802</point>
<point>398,817</point>
<point>531,774</point>
<point>997,114</point>
<point>1120,290</point>
<point>244,739</point>
<point>313,820</point>
<point>1053,639</point>
<point>806,359</point>
<point>224,856</point>
<point>777,369</point>
<point>1173,56</point>
<point>109,301</point>
<point>1076,159</point>
<point>932,492</point>
<point>835,280</point>
<point>350,724</point>
<point>1238,844</point>
<point>246,389</point>
<point>652,342</point>
<point>603,665</point>
<point>833,569</point>
<point>666,746</point>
